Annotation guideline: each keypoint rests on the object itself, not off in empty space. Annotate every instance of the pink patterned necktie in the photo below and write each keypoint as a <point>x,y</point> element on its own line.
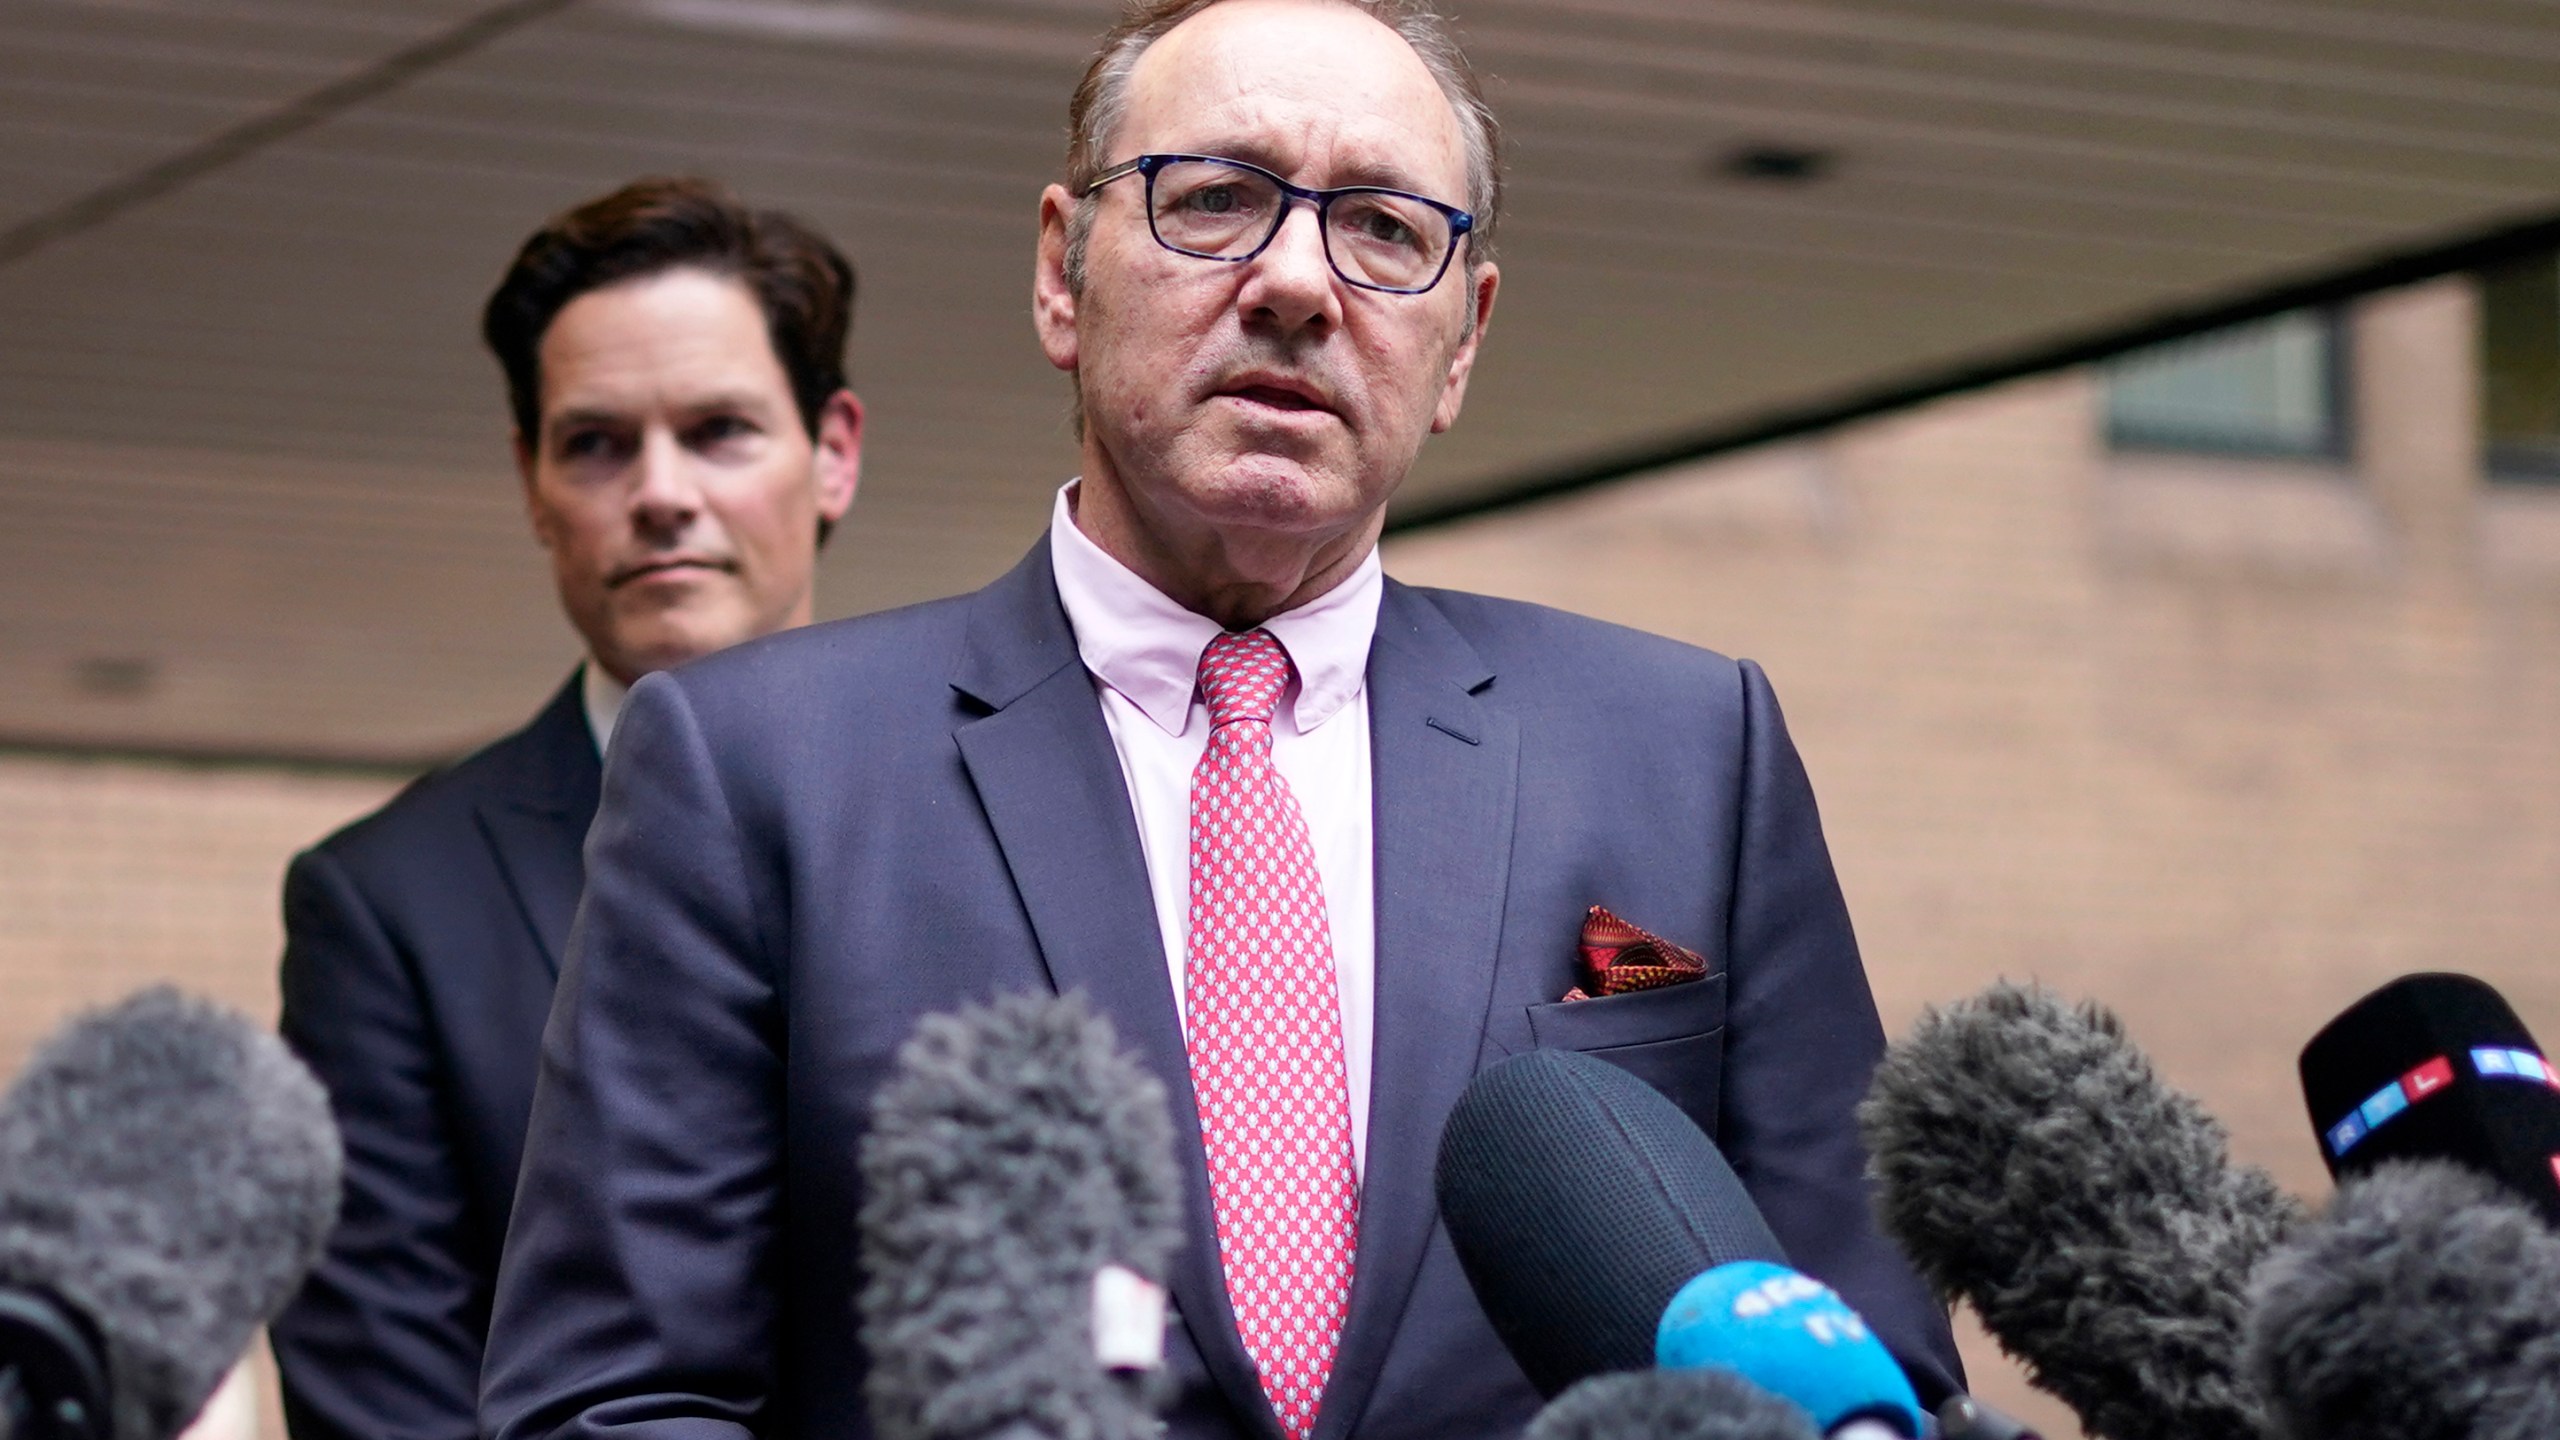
<point>1266,1040</point>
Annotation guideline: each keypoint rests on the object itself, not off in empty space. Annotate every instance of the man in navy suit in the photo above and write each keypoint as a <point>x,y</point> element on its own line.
<point>675,363</point>
<point>1321,845</point>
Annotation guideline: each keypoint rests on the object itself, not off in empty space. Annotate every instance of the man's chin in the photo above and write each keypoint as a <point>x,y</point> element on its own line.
<point>1263,491</point>
<point>663,641</point>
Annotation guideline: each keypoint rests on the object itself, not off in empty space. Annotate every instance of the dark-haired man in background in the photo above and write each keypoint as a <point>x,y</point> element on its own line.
<point>675,366</point>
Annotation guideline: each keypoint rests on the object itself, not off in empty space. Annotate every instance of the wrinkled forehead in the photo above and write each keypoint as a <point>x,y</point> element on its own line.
<point>1314,89</point>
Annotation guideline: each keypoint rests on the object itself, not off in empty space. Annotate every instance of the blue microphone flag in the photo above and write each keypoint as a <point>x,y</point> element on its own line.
<point>1791,1335</point>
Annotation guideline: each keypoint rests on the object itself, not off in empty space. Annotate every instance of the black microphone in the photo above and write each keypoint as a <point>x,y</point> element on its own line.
<point>2425,1305</point>
<point>2436,1067</point>
<point>1601,1230</point>
<point>1670,1405</point>
<point>1020,1206</point>
<point>168,1174</point>
<point>2031,1163</point>
<point>1580,1201</point>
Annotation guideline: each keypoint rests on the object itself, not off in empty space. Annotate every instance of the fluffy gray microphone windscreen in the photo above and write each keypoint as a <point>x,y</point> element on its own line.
<point>171,1171</point>
<point>2032,1164</point>
<point>2425,1305</point>
<point>1579,1201</point>
<point>1015,1152</point>
<point>1670,1405</point>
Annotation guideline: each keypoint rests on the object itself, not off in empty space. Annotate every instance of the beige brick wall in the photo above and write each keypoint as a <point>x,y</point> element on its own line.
<point>2222,744</point>
<point>115,874</point>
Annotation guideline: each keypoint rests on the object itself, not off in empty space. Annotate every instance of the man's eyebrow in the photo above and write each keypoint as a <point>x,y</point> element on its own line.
<point>1356,171</point>
<point>750,401</point>
<point>583,415</point>
<point>1390,177</point>
<point>747,401</point>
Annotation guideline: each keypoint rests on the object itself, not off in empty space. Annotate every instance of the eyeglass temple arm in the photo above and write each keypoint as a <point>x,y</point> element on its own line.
<point>1125,167</point>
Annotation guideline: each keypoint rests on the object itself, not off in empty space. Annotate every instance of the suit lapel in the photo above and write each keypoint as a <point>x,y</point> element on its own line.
<point>537,825</point>
<point>1046,774</point>
<point>1445,772</point>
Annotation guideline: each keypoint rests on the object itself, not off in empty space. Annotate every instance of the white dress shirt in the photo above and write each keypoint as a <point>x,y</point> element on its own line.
<point>1143,651</point>
<point>604,696</point>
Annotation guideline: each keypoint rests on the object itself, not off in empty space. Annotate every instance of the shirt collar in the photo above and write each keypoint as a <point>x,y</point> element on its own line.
<point>1136,640</point>
<point>603,696</point>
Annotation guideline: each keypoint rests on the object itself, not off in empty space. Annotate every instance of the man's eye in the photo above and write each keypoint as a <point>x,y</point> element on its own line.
<point>587,445</point>
<point>1212,199</point>
<point>1383,226</point>
<point>720,429</point>
<point>1379,225</point>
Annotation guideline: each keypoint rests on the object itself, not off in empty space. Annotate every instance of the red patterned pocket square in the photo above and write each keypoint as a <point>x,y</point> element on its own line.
<point>1619,958</point>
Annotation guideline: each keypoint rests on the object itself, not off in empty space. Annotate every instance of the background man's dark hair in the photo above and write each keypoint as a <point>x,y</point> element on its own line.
<point>801,282</point>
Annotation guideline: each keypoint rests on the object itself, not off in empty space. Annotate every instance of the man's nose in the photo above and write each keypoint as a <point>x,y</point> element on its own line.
<point>664,493</point>
<point>1291,285</point>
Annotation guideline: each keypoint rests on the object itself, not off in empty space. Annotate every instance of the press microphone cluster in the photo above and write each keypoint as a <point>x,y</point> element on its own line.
<point>168,1174</point>
<point>2425,1305</point>
<point>2031,1162</point>
<point>1021,1194</point>
<point>2422,1304</point>
<point>1020,1208</point>
<point>1675,1277</point>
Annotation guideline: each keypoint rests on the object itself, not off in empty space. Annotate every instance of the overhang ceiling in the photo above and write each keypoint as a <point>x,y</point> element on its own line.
<point>254,494</point>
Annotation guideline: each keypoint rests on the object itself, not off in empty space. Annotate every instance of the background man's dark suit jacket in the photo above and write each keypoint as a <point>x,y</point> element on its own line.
<point>421,945</point>
<point>810,841</point>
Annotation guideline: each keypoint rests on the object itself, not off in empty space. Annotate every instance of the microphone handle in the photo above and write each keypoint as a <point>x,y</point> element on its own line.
<point>1964,1418</point>
<point>53,1375</point>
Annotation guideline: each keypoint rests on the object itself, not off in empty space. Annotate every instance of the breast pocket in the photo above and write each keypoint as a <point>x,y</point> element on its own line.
<point>1671,1038</point>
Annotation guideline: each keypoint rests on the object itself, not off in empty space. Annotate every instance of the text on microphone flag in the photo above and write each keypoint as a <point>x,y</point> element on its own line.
<point>2427,1078</point>
<point>2520,1064</point>
<point>2489,1062</point>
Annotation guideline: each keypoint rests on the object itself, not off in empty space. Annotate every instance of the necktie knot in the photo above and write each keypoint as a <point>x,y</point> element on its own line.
<point>1242,674</point>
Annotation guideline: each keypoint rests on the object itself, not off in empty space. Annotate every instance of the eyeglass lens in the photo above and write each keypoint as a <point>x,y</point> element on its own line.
<point>1225,212</point>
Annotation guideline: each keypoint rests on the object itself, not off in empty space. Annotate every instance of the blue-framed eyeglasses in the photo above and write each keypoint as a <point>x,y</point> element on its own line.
<point>1216,209</point>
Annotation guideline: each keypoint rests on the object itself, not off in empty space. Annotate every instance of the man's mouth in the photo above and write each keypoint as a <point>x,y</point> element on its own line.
<point>672,565</point>
<point>1276,392</point>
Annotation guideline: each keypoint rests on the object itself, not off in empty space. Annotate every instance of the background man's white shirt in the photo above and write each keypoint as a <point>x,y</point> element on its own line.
<point>603,696</point>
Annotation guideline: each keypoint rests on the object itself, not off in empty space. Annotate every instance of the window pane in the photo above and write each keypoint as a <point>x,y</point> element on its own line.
<point>2520,369</point>
<point>2269,387</point>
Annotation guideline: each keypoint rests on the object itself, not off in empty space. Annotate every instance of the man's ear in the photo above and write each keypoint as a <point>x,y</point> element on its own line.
<point>836,468</point>
<point>1053,302</point>
<point>1482,281</point>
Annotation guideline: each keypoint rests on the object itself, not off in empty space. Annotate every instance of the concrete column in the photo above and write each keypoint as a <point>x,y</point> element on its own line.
<point>2413,356</point>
